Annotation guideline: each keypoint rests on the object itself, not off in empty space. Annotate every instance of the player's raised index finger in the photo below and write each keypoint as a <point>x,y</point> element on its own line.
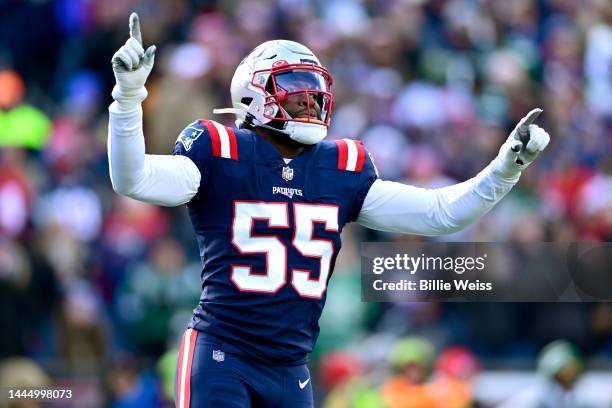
<point>135,28</point>
<point>528,119</point>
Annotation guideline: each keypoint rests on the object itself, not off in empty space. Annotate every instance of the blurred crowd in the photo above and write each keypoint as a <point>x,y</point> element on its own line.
<point>417,378</point>
<point>96,288</point>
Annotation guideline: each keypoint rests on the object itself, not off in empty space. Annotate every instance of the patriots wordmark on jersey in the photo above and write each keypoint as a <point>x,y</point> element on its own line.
<point>269,233</point>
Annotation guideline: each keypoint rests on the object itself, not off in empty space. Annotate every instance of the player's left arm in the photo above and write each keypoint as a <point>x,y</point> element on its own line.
<point>395,207</point>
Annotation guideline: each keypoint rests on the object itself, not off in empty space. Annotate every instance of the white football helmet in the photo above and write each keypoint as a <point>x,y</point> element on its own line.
<point>268,76</point>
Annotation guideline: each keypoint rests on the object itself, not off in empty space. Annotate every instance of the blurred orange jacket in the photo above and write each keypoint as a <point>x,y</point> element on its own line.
<point>400,393</point>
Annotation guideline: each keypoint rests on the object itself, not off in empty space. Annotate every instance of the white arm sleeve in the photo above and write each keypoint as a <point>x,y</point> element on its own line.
<point>396,207</point>
<point>157,179</point>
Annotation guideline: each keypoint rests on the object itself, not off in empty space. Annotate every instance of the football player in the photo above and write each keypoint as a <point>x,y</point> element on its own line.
<point>268,201</point>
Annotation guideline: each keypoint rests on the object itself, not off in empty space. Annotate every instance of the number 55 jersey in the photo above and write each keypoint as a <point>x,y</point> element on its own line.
<point>268,231</point>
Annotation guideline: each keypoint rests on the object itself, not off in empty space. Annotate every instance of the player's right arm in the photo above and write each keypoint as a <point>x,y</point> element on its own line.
<point>157,179</point>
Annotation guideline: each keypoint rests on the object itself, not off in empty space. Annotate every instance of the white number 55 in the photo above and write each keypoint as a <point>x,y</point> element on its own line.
<point>277,216</point>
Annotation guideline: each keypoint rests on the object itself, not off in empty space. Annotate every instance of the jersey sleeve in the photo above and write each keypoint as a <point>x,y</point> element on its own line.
<point>368,173</point>
<point>194,142</point>
<point>396,207</point>
<point>203,141</point>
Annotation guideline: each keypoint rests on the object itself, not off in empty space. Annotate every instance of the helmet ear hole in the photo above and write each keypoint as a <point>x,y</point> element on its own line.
<point>246,101</point>
<point>270,86</point>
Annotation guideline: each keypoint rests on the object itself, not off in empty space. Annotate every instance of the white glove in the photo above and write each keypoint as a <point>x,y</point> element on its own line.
<point>131,66</point>
<point>513,156</point>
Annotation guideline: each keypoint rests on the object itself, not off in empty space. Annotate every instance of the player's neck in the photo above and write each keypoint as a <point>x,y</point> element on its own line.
<point>287,147</point>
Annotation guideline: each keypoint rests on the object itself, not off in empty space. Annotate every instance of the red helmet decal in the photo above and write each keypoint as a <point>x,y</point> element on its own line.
<point>280,63</point>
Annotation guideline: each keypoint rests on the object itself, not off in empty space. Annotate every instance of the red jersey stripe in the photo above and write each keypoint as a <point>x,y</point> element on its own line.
<point>360,156</point>
<point>214,137</point>
<point>192,341</point>
<point>342,154</point>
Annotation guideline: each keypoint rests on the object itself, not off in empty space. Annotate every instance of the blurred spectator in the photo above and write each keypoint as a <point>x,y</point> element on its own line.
<point>158,296</point>
<point>20,124</point>
<point>455,369</point>
<point>560,365</point>
<point>595,205</point>
<point>343,376</point>
<point>19,373</point>
<point>166,370</point>
<point>411,359</point>
<point>598,61</point>
<point>16,193</point>
<point>84,337</point>
<point>29,298</point>
<point>132,387</point>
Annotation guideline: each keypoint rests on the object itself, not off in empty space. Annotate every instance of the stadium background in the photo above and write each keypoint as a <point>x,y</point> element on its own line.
<point>95,289</point>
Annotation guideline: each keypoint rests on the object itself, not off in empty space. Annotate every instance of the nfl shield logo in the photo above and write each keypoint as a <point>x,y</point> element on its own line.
<point>287,173</point>
<point>218,356</point>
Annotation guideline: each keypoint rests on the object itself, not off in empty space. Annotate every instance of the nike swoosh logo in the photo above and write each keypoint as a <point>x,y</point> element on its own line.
<point>303,384</point>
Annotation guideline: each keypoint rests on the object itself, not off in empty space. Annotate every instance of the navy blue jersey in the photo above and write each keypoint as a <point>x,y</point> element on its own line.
<point>269,235</point>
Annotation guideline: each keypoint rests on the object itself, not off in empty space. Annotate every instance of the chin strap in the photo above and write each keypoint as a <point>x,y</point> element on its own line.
<point>306,133</point>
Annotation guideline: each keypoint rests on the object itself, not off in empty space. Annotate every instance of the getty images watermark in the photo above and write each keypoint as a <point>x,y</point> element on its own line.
<point>489,272</point>
<point>413,264</point>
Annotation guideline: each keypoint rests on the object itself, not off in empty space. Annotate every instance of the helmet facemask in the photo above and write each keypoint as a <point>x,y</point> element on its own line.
<point>298,100</point>
<point>299,94</point>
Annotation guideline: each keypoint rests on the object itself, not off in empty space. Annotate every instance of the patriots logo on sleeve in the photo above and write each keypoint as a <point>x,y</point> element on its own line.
<point>190,135</point>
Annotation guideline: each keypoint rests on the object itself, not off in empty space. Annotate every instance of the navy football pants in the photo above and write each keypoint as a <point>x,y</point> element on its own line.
<point>209,377</point>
